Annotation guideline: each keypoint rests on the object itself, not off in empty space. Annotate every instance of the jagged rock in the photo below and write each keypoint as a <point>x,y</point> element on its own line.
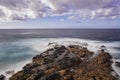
<point>58,51</point>
<point>117,64</point>
<point>75,46</point>
<point>2,77</point>
<point>103,47</point>
<point>70,77</point>
<point>48,59</point>
<point>10,72</point>
<point>53,76</point>
<point>28,68</point>
<point>37,75</point>
<point>20,76</point>
<point>68,63</point>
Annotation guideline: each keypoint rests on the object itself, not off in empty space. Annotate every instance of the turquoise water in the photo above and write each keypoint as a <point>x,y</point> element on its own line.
<point>13,53</point>
<point>17,47</point>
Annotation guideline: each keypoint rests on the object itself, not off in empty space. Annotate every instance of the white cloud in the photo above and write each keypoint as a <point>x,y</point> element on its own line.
<point>62,20</point>
<point>12,10</point>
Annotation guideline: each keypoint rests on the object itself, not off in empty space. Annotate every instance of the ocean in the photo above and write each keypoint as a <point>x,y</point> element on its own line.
<point>18,46</point>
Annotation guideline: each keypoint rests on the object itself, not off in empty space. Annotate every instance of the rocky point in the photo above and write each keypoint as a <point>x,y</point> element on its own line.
<point>71,62</point>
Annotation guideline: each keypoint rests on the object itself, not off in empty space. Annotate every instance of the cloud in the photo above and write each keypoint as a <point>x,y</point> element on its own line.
<point>20,10</point>
<point>62,20</point>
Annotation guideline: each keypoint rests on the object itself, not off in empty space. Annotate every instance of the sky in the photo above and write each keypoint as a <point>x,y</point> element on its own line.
<point>16,14</point>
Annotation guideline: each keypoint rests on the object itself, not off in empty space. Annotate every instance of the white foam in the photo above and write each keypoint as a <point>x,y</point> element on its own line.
<point>15,66</point>
<point>41,44</point>
<point>115,68</point>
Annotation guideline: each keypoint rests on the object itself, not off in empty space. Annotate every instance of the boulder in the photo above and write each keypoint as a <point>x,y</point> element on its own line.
<point>10,72</point>
<point>117,64</point>
<point>2,77</point>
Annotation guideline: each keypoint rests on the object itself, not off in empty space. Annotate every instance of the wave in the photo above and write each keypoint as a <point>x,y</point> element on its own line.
<point>41,44</point>
<point>93,45</point>
<point>24,49</point>
<point>14,66</point>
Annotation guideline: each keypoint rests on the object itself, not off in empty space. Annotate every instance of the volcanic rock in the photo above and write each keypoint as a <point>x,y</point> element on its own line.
<point>68,63</point>
<point>117,64</point>
<point>10,72</point>
<point>2,77</point>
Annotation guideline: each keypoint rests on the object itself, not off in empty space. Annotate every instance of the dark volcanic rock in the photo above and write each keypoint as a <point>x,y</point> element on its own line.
<point>99,68</point>
<point>2,77</point>
<point>37,75</point>
<point>28,68</point>
<point>10,72</point>
<point>117,64</point>
<point>68,63</point>
<point>53,76</point>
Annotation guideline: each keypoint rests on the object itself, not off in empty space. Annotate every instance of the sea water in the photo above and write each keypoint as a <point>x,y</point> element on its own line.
<point>17,47</point>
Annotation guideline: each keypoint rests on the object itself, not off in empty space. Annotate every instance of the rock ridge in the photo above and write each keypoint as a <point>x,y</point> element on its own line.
<point>72,62</point>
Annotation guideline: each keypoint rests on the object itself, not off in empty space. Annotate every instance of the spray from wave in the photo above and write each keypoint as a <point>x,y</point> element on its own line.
<point>14,55</point>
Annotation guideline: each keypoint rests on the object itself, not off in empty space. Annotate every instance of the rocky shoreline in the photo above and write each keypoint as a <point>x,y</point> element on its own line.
<point>73,62</point>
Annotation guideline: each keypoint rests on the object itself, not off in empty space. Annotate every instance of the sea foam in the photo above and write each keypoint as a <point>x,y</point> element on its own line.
<point>39,45</point>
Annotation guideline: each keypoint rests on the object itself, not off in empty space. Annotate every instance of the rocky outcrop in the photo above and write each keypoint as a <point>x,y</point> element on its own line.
<point>73,62</point>
<point>10,72</point>
<point>2,77</point>
<point>117,64</point>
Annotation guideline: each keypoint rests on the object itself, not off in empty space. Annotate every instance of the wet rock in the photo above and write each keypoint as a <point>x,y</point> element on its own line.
<point>68,63</point>
<point>37,75</point>
<point>62,72</point>
<point>98,68</point>
<point>117,64</point>
<point>60,48</point>
<point>53,76</point>
<point>28,68</point>
<point>103,48</point>
<point>70,77</point>
<point>20,75</point>
<point>10,72</point>
<point>58,51</point>
<point>37,56</point>
<point>2,77</point>
<point>74,46</point>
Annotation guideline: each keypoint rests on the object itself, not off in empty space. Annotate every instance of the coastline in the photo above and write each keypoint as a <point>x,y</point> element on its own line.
<point>114,75</point>
<point>91,45</point>
<point>16,68</point>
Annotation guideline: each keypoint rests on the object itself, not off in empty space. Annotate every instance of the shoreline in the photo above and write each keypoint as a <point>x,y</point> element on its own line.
<point>66,43</point>
<point>18,68</point>
<point>63,47</point>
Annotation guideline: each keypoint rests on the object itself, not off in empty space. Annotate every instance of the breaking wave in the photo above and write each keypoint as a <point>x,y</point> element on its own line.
<point>14,55</point>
